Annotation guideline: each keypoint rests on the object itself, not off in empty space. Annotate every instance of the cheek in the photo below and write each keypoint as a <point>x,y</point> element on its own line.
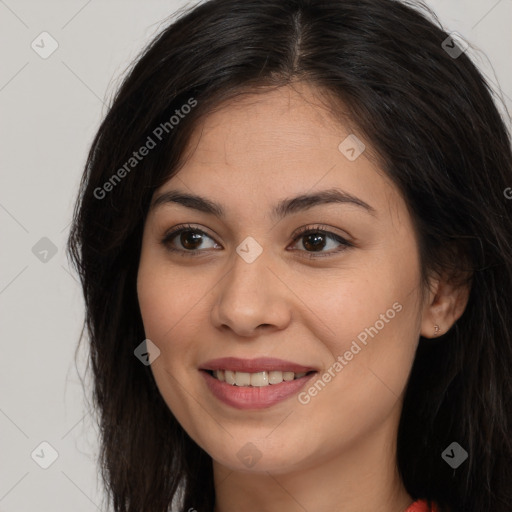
<point>172,308</point>
<point>169,317</point>
<point>370,357</point>
<point>157,305</point>
<point>372,314</point>
<point>158,291</point>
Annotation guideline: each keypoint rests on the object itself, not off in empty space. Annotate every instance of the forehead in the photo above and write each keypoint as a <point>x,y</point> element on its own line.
<point>287,121</point>
<point>261,147</point>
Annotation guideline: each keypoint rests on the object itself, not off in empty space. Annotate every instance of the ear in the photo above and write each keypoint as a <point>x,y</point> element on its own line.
<point>445,303</point>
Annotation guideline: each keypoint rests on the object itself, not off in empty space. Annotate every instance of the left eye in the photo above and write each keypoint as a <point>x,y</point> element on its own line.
<point>314,241</point>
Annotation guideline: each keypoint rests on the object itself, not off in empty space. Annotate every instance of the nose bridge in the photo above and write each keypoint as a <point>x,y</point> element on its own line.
<point>249,295</point>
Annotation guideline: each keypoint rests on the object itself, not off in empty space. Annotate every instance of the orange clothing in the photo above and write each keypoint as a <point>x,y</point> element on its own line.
<point>421,506</point>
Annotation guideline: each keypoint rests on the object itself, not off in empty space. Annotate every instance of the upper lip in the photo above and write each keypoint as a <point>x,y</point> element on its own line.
<point>259,364</point>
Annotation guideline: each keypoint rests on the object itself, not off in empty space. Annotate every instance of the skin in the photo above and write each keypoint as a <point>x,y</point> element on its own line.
<point>338,451</point>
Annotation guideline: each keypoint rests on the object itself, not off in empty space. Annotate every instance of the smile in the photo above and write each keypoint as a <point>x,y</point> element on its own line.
<point>255,383</point>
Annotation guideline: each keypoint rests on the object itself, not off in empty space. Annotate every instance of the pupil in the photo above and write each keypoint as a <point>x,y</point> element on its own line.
<point>317,241</point>
<point>190,235</point>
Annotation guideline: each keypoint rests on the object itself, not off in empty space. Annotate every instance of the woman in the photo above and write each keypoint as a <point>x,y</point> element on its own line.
<point>294,243</point>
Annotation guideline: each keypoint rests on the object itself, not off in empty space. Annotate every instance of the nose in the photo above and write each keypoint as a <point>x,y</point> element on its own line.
<point>251,297</point>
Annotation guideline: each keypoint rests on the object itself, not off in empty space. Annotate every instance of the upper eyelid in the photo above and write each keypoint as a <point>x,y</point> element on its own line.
<point>179,228</point>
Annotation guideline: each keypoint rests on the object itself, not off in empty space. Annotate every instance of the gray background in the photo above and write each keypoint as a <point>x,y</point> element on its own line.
<point>50,110</point>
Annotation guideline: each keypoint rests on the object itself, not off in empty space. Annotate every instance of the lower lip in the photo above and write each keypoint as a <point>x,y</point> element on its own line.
<point>243,397</point>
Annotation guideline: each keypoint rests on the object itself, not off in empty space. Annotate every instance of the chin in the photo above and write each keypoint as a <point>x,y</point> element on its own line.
<point>257,457</point>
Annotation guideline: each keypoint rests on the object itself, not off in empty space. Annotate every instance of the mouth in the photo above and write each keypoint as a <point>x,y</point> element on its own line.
<point>251,384</point>
<point>256,379</point>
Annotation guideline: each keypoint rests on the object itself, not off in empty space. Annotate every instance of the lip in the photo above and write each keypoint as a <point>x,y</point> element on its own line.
<point>257,397</point>
<point>241,397</point>
<point>259,364</point>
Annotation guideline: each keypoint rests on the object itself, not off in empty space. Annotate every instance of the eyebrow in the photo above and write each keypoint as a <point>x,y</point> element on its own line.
<point>280,210</point>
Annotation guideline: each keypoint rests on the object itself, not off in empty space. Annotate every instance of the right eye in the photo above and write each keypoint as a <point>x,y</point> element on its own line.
<point>190,239</point>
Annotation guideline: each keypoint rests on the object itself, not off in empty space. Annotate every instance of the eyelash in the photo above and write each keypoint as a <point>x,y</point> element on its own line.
<point>301,232</point>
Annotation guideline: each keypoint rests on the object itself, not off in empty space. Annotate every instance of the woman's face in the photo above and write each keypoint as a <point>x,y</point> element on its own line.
<point>278,301</point>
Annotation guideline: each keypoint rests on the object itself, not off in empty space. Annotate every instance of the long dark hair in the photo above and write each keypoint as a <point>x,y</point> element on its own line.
<point>432,120</point>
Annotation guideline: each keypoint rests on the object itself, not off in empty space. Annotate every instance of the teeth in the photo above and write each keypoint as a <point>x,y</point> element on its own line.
<point>258,379</point>
<point>242,379</point>
<point>229,376</point>
<point>288,376</point>
<point>275,377</point>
